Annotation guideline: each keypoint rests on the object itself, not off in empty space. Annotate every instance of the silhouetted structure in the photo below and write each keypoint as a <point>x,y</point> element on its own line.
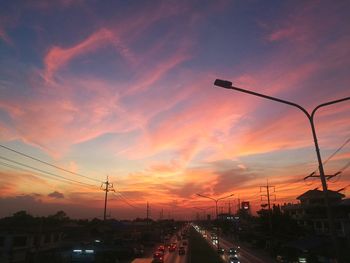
<point>311,212</point>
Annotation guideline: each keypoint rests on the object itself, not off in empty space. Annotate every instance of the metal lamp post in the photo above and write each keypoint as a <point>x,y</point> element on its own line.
<point>216,210</point>
<point>204,210</point>
<point>228,85</point>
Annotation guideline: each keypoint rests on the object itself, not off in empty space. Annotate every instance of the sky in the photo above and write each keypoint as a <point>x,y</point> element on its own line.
<point>125,89</point>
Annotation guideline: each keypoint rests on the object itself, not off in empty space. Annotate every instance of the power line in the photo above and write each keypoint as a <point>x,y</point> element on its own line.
<point>45,172</point>
<point>329,158</point>
<point>345,167</point>
<point>124,200</point>
<point>24,170</point>
<point>340,172</point>
<point>333,154</point>
<point>49,164</point>
<point>127,200</point>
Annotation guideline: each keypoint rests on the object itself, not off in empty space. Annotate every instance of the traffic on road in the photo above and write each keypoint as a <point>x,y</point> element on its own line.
<point>173,250</point>
<point>229,252</point>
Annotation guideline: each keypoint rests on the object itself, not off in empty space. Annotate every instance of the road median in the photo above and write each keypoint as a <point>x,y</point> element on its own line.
<point>200,250</point>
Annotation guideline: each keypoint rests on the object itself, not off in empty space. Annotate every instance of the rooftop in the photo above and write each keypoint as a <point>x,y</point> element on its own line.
<point>315,194</point>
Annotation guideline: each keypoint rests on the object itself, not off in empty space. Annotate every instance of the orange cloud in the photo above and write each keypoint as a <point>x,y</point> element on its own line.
<point>13,183</point>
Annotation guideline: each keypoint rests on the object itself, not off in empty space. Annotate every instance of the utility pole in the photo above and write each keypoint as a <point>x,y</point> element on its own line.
<point>310,117</point>
<point>313,175</point>
<point>216,209</point>
<point>238,205</point>
<point>108,187</point>
<point>267,186</point>
<point>147,212</point>
<point>161,214</point>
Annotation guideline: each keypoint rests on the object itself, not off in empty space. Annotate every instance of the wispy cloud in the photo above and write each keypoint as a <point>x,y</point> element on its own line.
<point>131,94</point>
<point>57,56</point>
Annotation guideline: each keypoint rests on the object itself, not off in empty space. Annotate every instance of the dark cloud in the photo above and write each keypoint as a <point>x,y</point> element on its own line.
<point>233,179</point>
<point>187,190</point>
<point>56,195</point>
<point>34,206</point>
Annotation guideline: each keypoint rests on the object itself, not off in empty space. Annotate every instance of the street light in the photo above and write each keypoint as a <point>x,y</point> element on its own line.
<point>228,85</point>
<point>204,210</point>
<point>216,209</point>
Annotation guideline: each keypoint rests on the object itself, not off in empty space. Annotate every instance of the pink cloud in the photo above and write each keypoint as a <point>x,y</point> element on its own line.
<point>305,28</point>
<point>4,36</point>
<point>8,22</point>
<point>57,57</point>
<point>158,72</point>
<point>281,34</point>
<point>63,119</point>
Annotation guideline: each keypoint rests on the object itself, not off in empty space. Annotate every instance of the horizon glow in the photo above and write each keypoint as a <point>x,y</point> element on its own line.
<point>126,90</point>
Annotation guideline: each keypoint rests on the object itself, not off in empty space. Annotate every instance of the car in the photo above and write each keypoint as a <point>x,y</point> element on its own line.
<point>221,250</point>
<point>158,253</point>
<point>233,259</point>
<point>182,250</point>
<point>158,257</point>
<point>172,247</point>
<point>161,248</point>
<point>232,251</point>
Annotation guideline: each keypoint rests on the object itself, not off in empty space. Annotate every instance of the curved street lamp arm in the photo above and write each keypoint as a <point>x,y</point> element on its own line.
<point>225,197</point>
<point>327,104</point>
<point>207,197</point>
<point>228,85</point>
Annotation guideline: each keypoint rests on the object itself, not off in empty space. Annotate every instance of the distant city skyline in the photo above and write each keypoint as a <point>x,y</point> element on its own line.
<point>125,90</point>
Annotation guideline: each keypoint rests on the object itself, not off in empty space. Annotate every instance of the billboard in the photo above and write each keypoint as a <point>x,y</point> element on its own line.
<point>245,205</point>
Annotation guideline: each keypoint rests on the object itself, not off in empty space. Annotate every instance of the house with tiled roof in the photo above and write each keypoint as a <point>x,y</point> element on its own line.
<point>311,212</point>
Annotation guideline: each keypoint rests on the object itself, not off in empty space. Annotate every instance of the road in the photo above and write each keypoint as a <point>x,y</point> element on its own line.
<point>174,257</point>
<point>244,255</point>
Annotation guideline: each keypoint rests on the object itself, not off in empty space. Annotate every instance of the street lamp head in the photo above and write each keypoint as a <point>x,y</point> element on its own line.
<point>223,83</point>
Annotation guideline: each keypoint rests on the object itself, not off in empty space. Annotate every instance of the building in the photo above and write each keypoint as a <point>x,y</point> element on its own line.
<point>312,214</point>
<point>25,246</point>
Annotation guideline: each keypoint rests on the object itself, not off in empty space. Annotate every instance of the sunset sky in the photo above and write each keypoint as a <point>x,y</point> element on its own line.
<point>125,89</point>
